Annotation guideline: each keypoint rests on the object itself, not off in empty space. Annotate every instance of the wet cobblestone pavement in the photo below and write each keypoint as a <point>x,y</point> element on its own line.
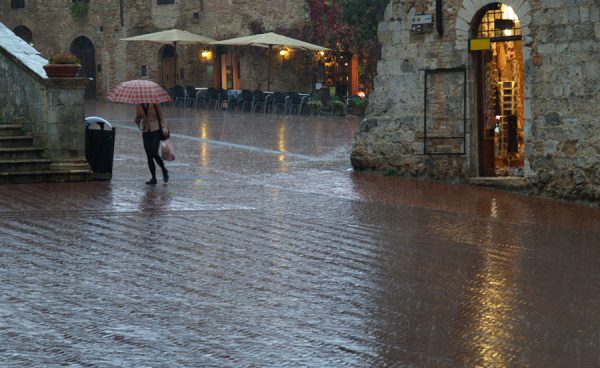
<point>265,250</point>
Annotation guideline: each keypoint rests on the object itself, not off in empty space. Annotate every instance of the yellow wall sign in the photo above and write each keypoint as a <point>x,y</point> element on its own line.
<point>480,44</point>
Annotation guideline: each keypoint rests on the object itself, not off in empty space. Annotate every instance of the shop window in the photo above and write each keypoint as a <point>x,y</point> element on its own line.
<point>17,4</point>
<point>165,2</point>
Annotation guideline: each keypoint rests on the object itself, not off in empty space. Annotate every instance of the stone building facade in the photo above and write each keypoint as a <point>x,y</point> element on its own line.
<point>473,90</point>
<point>52,28</point>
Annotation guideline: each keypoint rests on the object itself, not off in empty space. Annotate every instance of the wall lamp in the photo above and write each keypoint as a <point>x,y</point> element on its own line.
<point>206,54</point>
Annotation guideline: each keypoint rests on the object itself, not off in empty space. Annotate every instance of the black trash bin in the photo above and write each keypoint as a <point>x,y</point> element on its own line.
<point>99,147</point>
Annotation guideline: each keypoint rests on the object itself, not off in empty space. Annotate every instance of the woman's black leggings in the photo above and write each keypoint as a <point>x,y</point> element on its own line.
<point>151,145</point>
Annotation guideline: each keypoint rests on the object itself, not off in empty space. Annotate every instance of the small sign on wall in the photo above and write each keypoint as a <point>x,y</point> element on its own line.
<point>480,44</point>
<point>421,23</point>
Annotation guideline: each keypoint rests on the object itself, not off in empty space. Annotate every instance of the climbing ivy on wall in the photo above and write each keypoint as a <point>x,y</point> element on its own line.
<point>79,8</point>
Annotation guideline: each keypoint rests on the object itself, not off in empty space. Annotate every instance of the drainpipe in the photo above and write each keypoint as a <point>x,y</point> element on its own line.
<point>439,17</point>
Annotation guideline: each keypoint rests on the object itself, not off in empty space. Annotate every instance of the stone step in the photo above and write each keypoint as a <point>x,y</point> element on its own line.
<point>44,176</point>
<point>20,153</point>
<point>24,165</point>
<point>16,141</point>
<point>511,183</point>
<point>7,130</point>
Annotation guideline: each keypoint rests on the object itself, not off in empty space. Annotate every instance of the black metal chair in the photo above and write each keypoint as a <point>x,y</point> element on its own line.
<point>190,96</point>
<point>233,100</point>
<point>223,98</point>
<point>212,98</point>
<point>179,93</point>
<point>171,91</point>
<point>294,101</point>
<point>245,100</point>
<point>258,100</point>
<point>278,100</point>
<point>200,98</point>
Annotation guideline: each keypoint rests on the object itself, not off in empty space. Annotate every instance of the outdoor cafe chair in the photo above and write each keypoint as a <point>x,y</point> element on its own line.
<point>223,98</point>
<point>212,98</point>
<point>245,100</point>
<point>258,100</point>
<point>200,97</point>
<point>304,98</point>
<point>278,100</point>
<point>294,100</point>
<point>268,101</point>
<point>233,99</point>
<point>178,96</point>
<point>171,92</point>
<point>190,96</point>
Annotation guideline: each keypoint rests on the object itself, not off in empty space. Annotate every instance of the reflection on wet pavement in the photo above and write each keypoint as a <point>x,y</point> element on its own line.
<point>265,250</point>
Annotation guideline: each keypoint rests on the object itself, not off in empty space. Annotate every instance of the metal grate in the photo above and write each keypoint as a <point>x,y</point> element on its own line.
<point>444,115</point>
<point>499,22</point>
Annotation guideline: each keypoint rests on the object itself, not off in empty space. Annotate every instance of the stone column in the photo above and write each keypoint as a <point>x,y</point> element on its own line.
<point>65,124</point>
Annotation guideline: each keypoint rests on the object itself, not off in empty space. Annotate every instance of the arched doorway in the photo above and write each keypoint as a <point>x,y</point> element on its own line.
<point>500,89</point>
<point>168,65</point>
<point>86,52</point>
<point>24,33</point>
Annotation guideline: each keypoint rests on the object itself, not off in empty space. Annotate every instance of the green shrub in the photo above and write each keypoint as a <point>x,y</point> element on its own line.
<point>337,105</point>
<point>79,8</point>
<point>314,105</point>
<point>361,103</point>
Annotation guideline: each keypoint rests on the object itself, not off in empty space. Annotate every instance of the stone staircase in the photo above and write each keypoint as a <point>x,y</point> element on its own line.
<point>21,162</point>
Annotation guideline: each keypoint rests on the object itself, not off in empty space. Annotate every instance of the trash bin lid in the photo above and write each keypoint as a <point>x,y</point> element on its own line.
<point>90,120</point>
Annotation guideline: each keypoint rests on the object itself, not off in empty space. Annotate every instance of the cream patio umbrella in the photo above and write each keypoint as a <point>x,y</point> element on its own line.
<point>270,40</point>
<point>172,37</point>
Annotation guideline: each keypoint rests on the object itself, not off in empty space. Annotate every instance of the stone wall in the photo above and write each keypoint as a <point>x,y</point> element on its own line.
<point>561,42</point>
<point>51,109</point>
<point>54,30</point>
<point>21,99</point>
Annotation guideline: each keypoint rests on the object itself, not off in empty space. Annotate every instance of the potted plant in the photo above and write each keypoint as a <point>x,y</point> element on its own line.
<point>359,105</point>
<point>337,104</point>
<point>62,65</point>
<point>314,104</point>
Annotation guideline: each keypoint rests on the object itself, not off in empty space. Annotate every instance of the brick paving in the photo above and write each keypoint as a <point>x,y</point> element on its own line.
<point>265,250</point>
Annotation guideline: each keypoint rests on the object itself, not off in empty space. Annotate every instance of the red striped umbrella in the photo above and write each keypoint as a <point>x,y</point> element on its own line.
<point>138,92</point>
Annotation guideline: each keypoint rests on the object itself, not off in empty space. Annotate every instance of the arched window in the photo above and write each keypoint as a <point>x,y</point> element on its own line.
<point>499,23</point>
<point>24,33</point>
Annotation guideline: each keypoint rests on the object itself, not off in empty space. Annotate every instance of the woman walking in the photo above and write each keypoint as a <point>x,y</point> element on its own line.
<point>149,118</point>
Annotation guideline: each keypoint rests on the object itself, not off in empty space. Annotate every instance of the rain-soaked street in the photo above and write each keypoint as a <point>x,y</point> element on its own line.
<point>266,250</point>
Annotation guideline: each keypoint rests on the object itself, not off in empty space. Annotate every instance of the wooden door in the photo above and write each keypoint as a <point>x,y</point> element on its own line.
<point>168,72</point>
<point>485,130</point>
<point>86,52</point>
